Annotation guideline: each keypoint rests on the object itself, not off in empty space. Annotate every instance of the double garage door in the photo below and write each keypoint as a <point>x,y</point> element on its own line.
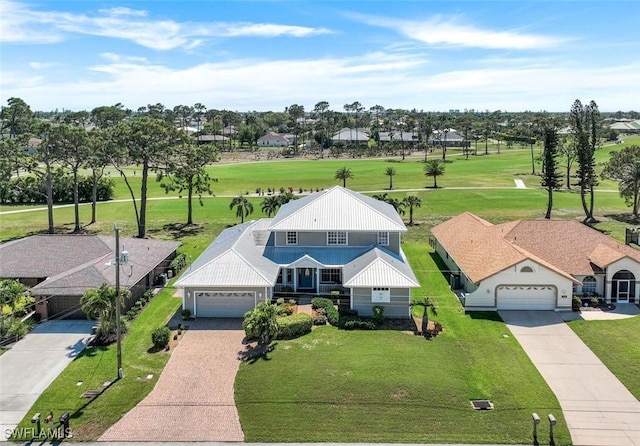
<point>223,303</point>
<point>526,297</point>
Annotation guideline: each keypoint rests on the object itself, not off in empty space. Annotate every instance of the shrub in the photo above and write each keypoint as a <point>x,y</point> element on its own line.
<point>344,310</point>
<point>327,304</point>
<point>280,301</point>
<point>292,302</point>
<point>378,314</point>
<point>186,313</point>
<point>18,329</point>
<point>160,337</point>
<point>260,323</point>
<point>320,319</point>
<point>179,262</point>
<point>357,323</point>
<point>576,303</point>
<point>291,327</point>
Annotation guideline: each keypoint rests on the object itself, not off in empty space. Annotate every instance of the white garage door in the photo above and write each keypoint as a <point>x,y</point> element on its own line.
<point>526,297</point>
<point>224,303</point>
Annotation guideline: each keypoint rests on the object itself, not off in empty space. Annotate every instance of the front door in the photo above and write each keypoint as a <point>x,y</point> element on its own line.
<point>305,278</point>
<point>623,291</point>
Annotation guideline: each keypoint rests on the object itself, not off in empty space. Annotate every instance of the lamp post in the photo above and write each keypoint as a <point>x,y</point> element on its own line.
<point>118,328</point>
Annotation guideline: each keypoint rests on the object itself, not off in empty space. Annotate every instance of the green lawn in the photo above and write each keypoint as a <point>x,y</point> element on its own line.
<point>617,344</point>
<point>97,365</point>
<point>389,386</point>
<point>334,385</point>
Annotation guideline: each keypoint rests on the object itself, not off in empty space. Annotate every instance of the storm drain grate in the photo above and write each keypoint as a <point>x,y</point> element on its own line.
<point>482,404</point>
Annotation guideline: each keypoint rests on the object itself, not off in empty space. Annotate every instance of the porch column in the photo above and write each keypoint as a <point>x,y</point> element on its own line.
<point>295,279</point>
<point>317,280</point>
<point>351,298</point>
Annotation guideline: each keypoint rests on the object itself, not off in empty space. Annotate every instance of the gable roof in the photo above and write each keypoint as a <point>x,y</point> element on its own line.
<point>233,259</point>
<point>273,137</point>
<point>567,247</point>
<point>73,263</point>
<point>378,268</point>
<point>337,209</point>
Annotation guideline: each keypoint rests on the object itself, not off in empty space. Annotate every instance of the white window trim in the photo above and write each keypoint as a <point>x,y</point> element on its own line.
<point>286,236</point>
<point>346,238</point>
<point>385,236</point>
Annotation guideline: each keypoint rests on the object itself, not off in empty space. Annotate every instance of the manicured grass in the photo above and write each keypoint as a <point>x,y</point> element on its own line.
<point>388,386</point>
<point>97,365</point>
<point>617,344</point>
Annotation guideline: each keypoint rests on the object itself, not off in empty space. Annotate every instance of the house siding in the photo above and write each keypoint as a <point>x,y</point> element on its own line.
<point>397,307</point>
<point>353,239</point>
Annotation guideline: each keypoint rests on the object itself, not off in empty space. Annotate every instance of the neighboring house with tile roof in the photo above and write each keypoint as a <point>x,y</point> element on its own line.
<point>333,240</point>
<point>534,264</point>
<point>60,268</point>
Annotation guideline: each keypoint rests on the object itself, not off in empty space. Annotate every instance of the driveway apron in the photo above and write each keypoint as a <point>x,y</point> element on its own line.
<point>32,364</point>
<point>598,409</point>
<point>193,398</point>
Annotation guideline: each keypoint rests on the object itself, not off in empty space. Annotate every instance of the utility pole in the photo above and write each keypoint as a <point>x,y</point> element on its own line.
<point>118,328</point>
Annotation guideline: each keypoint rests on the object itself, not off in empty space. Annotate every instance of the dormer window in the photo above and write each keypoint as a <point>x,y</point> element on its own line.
<point>336,238</point>
<point>292,238</point>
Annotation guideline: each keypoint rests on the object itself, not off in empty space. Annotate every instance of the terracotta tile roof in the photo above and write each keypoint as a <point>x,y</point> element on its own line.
<point>566,246</point>
<point>478,249</point>
<point>569,245</point>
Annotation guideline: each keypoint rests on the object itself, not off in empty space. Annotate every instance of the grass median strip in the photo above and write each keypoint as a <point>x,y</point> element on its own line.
<point>95,366</point>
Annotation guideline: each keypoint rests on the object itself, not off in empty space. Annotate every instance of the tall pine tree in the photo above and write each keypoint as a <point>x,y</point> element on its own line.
<point>551,177</point>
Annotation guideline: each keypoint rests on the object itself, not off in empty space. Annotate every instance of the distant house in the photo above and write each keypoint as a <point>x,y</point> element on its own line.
<point>60,268</point>
<point>534,264</point>
<point>335,240</point>
<point>347,135</point>
<point>211,139</point>
<point>452,139</point>
<point>273,139</point>
<point>399,137</point>
<point>626,126</point>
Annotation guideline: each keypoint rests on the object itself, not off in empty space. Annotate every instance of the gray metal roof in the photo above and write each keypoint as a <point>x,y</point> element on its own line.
<point>233,259</point>
<point>337,209</point>
<point>378,268</point>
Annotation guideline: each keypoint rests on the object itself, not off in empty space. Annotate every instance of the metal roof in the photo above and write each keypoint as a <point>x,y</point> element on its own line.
<point>327,256</point>
<point>233,259</point>
<point>337,209</point>
<point>378,268</point>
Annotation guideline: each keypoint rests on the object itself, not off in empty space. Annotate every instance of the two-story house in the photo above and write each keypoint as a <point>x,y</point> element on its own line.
<point>335,240</point>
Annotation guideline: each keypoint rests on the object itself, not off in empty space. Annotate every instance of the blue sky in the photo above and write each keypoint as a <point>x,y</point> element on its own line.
<point>267,55</point>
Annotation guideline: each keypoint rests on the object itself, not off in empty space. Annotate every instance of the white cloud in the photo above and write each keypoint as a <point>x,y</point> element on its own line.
<point>394,81</point>
<point>24,25</point>
<point>441,31</point>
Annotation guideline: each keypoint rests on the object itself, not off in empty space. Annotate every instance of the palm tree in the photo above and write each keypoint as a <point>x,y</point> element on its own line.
<point>426,304</point>
<point>434,168</point>
<point>397,204</point>
<point>381,197</point>
<point>390,172</point>
<point>10,293</point>
<point>344,173</point>
<point>243,207</point>
<point>100,304</point>
<point>413,202</point>
<point>270,205</point>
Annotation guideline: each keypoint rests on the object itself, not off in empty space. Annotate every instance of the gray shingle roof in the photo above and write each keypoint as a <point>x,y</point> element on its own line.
<point>73,263</point>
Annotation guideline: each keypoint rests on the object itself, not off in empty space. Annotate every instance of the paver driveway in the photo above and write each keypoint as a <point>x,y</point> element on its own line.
<point>193,399</point>
<point>599,410</point>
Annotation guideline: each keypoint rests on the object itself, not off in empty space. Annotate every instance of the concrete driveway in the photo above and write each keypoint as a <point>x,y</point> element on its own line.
<point>28,368</point>
<point>598,409</point>
<point>193,399</point>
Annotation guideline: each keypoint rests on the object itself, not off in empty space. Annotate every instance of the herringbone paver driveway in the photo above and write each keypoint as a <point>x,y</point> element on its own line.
<point>193,399</point>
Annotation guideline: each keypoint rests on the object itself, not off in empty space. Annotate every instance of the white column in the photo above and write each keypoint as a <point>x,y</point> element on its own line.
<point>317,280</point>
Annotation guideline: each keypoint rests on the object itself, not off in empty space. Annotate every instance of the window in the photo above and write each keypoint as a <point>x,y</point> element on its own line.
<point>380,295</point>
<point>383,238</point>
<point>331,275</point>
<point>336,238</point>
<point>589,285</point>
<point>526,269</point>
<point>292,238</point>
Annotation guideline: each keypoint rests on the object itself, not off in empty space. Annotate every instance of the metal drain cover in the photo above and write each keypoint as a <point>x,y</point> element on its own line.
<point>482,404</point>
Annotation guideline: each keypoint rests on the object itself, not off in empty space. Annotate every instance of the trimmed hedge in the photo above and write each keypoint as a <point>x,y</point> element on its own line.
<point>160,337</point>
<point>291,327</point>
<point>332,314</point>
